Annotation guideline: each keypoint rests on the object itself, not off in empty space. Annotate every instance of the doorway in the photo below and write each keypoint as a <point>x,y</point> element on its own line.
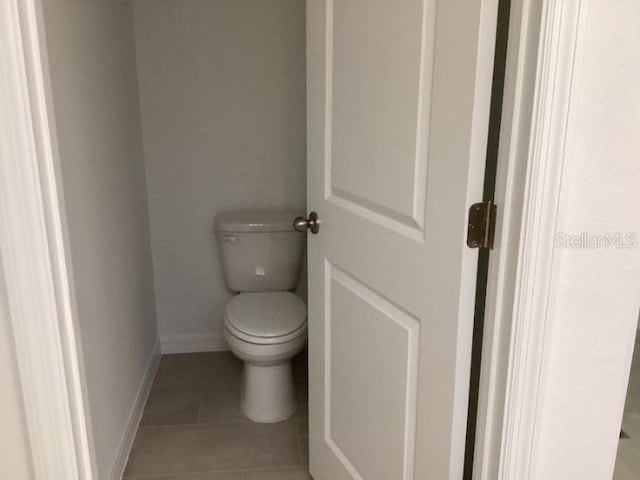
<point>76,204</point>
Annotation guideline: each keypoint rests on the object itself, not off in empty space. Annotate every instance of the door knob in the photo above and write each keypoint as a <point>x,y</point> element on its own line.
<point>301,224</point>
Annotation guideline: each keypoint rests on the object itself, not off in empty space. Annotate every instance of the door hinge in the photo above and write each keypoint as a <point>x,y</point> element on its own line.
<point>482,225</point>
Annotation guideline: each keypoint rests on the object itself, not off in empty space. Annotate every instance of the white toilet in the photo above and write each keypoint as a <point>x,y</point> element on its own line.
<point>265,324</point>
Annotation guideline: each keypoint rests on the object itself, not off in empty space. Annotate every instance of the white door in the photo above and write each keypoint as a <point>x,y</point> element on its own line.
<point>398,108</point>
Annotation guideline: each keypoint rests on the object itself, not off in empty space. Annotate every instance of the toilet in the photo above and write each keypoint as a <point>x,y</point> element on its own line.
<point>265,323</point>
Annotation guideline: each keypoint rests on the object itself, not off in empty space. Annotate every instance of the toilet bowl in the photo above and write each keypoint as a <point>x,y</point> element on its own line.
<point>266,330</point>
<point>265,324</point>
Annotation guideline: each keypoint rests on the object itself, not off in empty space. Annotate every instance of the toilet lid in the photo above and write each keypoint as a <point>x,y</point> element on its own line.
<point>266,314</point>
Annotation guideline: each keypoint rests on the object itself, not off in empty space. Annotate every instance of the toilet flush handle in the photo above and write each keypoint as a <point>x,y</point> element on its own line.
<point>227,237</point>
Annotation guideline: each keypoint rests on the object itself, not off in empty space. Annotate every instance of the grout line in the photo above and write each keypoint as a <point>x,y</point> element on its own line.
<point>298,447</point>
<point>203,392</point>
<point>237,470</point>
<point>210,424</point>
<point>301,443</point>
<point>194,387</point>
<point>299,450</point>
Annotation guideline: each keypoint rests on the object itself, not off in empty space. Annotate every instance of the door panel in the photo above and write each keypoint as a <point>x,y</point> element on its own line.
<point>398,108</point>
<point>363,382</point>
<point>374,76</point>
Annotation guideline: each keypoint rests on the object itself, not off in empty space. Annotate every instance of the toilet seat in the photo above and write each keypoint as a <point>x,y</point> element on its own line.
<point>266,317</point>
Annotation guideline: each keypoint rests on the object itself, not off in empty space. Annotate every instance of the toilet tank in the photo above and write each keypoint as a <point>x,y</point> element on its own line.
<point>259,250</point>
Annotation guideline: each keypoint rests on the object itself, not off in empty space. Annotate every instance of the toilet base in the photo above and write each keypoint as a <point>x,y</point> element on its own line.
<point>267,392</point>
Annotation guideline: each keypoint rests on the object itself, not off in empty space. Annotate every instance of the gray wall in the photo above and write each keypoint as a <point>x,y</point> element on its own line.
<point>93,73</point>
<point>222,86</point>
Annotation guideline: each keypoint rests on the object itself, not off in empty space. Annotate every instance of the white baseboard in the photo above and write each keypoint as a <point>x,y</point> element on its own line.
<point>135,414</point>
<point>209,342</point>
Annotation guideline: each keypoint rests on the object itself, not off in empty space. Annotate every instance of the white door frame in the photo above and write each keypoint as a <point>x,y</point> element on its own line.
<point>35,259</point>
<point>539,74</point>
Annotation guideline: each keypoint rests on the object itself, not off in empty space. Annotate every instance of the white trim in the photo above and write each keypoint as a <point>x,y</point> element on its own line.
<point>206,342</point>
<point>521,63</point>
<point>135,415</point>
<point>35,263</point>
<point>540,211</point>
<point>534,131</point>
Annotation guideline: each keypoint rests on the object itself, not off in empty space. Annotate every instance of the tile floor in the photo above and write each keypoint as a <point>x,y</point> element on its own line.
<point>192,427</point>
<point>628,461</point>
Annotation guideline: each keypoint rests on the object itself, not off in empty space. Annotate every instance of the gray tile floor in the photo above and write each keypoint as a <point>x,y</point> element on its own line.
<point>192,427</point>
<point>628,460</point>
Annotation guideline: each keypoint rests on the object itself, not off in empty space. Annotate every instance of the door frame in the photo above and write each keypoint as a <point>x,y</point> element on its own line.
<point>35,258</point>
<point>538,82</point>
<point>40,293</point>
